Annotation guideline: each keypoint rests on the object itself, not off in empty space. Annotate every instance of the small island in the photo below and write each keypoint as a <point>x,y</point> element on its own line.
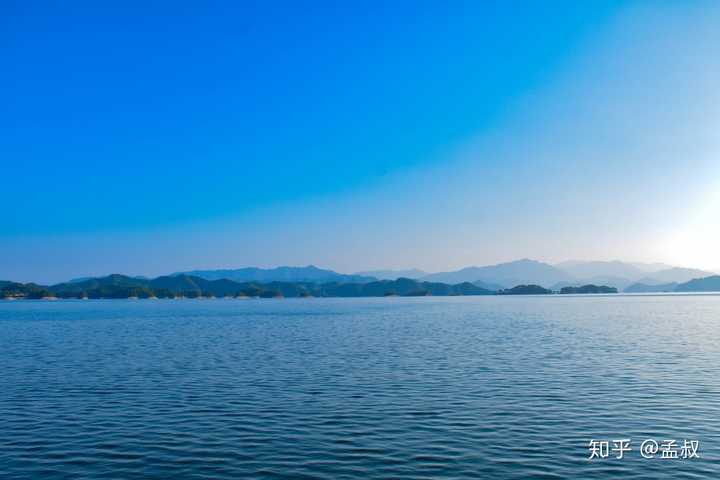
<point>588,289</point>
<point>525,290</point>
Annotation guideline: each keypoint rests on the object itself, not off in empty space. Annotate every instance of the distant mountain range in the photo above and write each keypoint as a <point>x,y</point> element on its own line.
<point>620,275</point>
<point>413,273</point>
<point>612,269</point>
<point>310,273</point>
<point>630,277</point>
<point>676,274</point>
<point>506,275</point>
<point>85,279</point>
<point>617,274</point>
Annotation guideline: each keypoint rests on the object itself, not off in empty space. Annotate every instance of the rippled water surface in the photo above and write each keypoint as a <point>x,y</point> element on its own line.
<point>485,387</point>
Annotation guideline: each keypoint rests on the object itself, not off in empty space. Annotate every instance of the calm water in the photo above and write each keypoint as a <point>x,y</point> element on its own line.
<point>485,387</point>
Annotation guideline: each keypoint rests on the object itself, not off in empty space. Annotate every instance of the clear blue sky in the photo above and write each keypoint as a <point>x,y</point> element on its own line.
<point>148,137</point>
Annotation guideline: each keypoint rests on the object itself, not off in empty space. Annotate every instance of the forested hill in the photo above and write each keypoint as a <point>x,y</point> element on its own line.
<point>121,286</point>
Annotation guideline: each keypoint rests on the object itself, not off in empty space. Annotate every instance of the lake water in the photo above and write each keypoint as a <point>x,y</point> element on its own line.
<point>391,388</point>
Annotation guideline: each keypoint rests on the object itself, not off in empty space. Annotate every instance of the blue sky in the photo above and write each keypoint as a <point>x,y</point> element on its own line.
<point>151,137</point>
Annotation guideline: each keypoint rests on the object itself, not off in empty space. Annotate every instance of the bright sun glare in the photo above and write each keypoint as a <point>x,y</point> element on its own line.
<point>697,242</point>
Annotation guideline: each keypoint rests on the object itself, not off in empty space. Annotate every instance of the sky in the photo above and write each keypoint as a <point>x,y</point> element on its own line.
<point>152,137</point>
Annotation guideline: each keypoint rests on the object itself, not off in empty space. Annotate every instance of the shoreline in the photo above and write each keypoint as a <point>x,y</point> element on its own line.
<point>551,295</point>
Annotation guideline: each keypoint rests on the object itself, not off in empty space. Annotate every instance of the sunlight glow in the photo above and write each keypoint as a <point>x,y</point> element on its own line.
<point>697,243</point>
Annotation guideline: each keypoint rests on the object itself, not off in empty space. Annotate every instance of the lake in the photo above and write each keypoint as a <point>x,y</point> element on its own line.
<point>393,388</point>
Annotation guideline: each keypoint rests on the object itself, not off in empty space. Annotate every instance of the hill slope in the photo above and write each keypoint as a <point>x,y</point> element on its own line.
<point>645,288</point>
<point>120,286</point>
<point>599,269</point>
<point>707,284</point>
<point>675,274</point>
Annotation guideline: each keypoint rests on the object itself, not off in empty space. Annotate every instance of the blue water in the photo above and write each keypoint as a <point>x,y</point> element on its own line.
<point>391,388</point>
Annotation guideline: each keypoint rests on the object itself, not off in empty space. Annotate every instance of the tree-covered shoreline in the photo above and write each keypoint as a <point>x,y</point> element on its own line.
<point>187,286</point>
<point>118,286</point>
